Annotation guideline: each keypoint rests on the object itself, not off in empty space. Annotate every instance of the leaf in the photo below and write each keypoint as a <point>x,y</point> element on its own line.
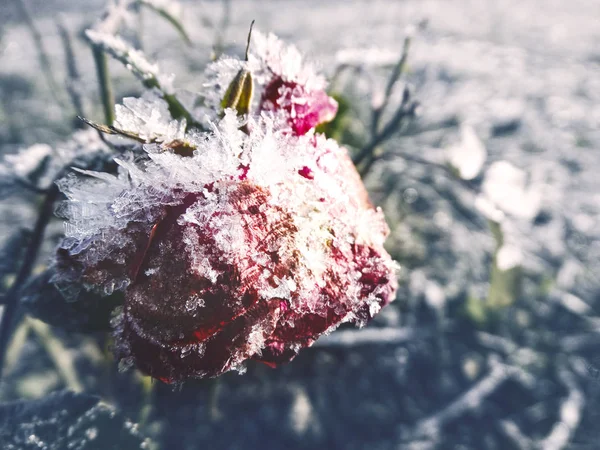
<point>109,129</point>
<point>148,73</point>
<point>65,420</point>
<point>179,147</point>
<point>84,311</point>
<point>169,11</point>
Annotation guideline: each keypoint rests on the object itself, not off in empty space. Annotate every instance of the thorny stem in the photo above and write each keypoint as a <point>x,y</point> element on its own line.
<point>12,296</point>
<point>39,44</point>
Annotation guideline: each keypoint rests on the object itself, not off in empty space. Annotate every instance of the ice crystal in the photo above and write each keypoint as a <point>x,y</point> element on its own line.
<point>149,118</point>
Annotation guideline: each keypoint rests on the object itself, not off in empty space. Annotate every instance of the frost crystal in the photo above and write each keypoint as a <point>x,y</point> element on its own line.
<point>149,118</point>
<point>251,246</point>
<point>134,60</point>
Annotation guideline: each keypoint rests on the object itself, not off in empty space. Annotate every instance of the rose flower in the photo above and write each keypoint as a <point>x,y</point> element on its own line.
<point>251,248</point>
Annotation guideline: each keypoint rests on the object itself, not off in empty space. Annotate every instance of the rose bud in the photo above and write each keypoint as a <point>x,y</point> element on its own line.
<point>286,86</point>
<point>251,248</point>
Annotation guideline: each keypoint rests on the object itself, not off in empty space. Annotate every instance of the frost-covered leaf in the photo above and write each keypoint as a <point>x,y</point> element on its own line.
<point>133,59</point>
<point>78,310</point>
<point>65,420</point>
<point>137,63</point>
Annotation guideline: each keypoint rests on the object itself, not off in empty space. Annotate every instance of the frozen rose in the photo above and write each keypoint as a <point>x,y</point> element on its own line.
<point>250,246</point>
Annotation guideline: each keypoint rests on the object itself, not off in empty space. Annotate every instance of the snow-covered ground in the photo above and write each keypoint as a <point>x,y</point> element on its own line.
<point>522,78</point>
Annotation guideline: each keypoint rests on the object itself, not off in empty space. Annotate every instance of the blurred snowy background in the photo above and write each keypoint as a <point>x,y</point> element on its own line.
<point>491,193</point>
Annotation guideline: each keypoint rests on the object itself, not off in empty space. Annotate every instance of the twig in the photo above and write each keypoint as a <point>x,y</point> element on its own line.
<point>113,17</point>
<point>73,81</point>
<point>350,338</point>
<point>496,343</point>
<point>26,184</point>
<point>394,77</point>
<point>58,353</point>
<point>471,399</point>
<point>570,413</point>
<point>406,110</point>
<point>516,436</point>
<point>12,296</point>
<point>579,342</point>
<point>436,165</point>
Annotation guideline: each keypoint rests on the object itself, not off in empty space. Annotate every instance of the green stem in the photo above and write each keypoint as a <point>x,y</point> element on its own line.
<point>106,94</point>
